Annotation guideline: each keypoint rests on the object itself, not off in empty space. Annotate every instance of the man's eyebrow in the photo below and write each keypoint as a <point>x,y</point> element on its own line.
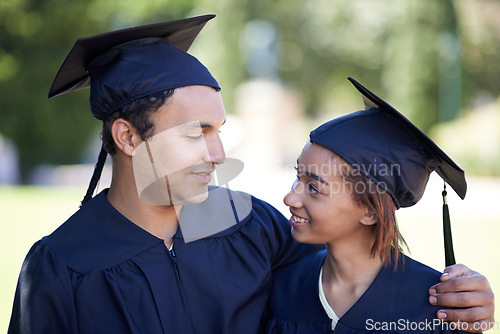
<point>198,124</point>
<point>209,126</point>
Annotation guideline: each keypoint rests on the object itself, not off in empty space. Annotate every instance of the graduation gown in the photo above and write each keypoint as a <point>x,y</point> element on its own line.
<point>101,273</point>
<point>396,301</point>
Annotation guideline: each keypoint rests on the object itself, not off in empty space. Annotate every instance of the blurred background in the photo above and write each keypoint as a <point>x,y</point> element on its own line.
<point>282,66</point>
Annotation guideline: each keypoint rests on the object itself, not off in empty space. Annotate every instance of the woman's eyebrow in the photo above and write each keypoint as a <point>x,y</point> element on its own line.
<point>315,177</point>
<point>312,175</point>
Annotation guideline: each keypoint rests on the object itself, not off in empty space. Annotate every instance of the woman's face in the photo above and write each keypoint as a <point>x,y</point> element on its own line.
<point>321,203</point>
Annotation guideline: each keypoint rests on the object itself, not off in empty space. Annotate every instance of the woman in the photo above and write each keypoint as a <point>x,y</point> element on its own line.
<point>351,177</point>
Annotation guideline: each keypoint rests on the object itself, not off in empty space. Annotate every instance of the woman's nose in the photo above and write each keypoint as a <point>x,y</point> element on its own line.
<point>292,199</point>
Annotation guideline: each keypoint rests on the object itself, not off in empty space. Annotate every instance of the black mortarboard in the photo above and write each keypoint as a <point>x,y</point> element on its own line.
<point>390,150</point>
<point>124,65</point>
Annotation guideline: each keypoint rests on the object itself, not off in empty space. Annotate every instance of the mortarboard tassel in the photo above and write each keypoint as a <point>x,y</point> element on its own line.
<point>95,176</point>
<point>448,242</point>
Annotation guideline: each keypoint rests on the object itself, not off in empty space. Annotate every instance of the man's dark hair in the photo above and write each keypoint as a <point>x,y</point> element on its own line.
<point>139,113</point>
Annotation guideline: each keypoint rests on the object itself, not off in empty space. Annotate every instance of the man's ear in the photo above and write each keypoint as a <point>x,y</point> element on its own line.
<point>125,136</point>
<point>370,218</point>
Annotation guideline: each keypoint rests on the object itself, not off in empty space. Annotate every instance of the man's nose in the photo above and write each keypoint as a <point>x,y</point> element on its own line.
<point>215,153</point>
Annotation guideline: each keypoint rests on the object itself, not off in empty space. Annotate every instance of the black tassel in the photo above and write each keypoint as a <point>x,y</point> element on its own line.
<point>448,242</point>
<point>96,175</point>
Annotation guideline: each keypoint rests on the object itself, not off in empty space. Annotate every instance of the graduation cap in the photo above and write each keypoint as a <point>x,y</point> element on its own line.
<point>128,64</point>
<point>393,153</point>
<point>124,65</point>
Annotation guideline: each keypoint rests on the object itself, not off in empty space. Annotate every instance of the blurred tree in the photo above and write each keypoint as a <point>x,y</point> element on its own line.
<point>34,39</point>
<point>35,36</point>
<point>479,29</point>
<point>391,46</point>
<point>427,58</point>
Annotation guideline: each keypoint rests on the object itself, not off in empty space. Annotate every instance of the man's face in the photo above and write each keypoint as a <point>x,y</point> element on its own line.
<point>175,165</point>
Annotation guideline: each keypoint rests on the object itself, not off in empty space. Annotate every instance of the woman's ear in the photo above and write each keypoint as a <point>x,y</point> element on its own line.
<point>125,136</point>
<point>370,218</point>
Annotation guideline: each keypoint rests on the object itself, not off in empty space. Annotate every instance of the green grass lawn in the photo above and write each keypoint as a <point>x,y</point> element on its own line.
<point>26,215</point>
<point>29,213</point>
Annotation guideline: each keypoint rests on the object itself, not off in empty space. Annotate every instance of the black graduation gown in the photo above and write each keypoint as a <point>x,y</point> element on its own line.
<point>100,273</point>
<point>396,301</point>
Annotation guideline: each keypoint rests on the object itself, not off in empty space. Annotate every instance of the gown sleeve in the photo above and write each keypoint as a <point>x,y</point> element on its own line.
<point>43,301</point>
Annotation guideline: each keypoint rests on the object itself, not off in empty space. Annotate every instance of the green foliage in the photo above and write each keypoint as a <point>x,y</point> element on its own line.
<point>35,37</point>
<point>44,131</point>
<point>431,59</point>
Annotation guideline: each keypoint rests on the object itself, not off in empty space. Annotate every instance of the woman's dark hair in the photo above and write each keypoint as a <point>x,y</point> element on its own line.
<point>388,239</point>
<point>139,113</point>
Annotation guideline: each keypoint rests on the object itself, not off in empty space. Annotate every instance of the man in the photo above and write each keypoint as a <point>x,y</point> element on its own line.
<point>160,251</point>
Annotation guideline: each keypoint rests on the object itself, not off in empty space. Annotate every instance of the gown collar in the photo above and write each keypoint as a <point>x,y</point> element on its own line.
<point>99,236</point>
